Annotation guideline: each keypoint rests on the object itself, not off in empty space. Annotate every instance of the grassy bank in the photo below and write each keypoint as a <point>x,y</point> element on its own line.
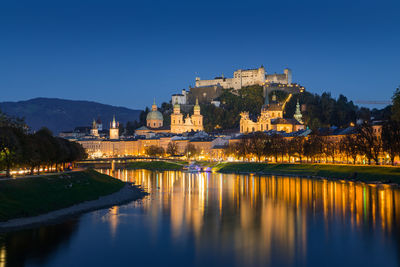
<point>39,195</point>
<point>155,165</point>
<point>362,173</point>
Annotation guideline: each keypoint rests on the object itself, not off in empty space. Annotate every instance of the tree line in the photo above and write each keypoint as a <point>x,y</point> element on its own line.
<point>363,143</point>
<point>172,150</point>
<point>36,151</point>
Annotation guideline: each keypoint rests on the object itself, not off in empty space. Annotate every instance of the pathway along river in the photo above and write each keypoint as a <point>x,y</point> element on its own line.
<point>223,220</point>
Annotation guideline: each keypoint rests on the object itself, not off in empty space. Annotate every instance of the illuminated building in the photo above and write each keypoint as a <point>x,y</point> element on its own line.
<point>114,130</point>
<point>271,118</point>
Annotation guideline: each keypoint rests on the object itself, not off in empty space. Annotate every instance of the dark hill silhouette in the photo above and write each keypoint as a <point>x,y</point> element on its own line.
<point>63,115</point>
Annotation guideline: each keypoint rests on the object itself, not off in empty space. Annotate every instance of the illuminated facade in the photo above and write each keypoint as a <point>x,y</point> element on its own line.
<point>271,118</point>
<point>114,130</point>
<point>247,77</point>
<point>190,123</point>
<point>154,118</point>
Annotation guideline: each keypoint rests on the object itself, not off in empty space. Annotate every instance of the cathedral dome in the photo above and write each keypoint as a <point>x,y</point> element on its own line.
<point>154,115</point>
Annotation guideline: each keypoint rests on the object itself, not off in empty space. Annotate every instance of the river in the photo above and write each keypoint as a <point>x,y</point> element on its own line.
<point>206,219</point>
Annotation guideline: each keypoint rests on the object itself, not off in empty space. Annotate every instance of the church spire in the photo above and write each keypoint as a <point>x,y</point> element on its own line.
<point>114,123</point>
<point>196,109</point>
<point>297,115</point>
<point>154,106</point>
<point>273,97</point>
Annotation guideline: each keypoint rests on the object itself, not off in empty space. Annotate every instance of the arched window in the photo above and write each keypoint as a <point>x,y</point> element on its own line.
<point>253,129</point>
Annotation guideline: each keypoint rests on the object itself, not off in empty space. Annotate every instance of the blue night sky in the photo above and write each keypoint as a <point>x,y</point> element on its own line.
<point>125,53</point>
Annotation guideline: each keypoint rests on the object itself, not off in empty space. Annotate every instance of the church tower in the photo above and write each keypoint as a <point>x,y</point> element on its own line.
<point>197,118</point>
<point>114,130</point>
<point>297,115</point>
<point>177,120</point>
<point>94,131</point>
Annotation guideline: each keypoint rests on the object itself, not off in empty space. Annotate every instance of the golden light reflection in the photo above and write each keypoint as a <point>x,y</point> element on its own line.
<point>3,258</point>
<point>259,215</point>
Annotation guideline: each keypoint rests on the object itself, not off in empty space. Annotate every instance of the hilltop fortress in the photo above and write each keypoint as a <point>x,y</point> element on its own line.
<point>208,91</point>
<point>248,77</point>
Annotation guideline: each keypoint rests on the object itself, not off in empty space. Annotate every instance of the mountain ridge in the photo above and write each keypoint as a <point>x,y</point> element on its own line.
<point>59,114</point>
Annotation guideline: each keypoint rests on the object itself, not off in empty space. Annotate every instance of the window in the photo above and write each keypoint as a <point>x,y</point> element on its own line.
<point>262,127</point>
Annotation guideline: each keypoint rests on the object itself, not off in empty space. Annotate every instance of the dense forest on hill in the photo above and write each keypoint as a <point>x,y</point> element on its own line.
<point>318,110</point>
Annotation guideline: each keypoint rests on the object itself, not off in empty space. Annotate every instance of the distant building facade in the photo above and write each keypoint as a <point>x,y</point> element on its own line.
<point>181,99</point>
<point>247,77</point>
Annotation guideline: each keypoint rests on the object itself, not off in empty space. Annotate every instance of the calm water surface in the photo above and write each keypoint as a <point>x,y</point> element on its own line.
<point>218,219</point>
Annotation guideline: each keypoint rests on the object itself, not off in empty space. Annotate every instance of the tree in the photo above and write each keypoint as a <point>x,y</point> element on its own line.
<point>391,139</point>
<point>369,142</point>
<point>396,105</point>
<point>329,148</point>
<point>10,147</point>
<point>172,148</point>
<point>313,147</point>
<point>349,146</point>
<point>256,145</point>
<point>191,151</point>
<point>296,147</point>
<point>131,126</point>
<point>31,156</point>
<point>154,151</point>
<point>275,145</point>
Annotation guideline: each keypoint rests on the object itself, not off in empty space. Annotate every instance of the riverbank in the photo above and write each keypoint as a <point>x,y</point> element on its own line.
<point>34,201</point>
<point>155,165</point>
<point>369,174</point>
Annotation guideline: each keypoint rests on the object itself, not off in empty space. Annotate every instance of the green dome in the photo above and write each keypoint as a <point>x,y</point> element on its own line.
<point>154,115</point>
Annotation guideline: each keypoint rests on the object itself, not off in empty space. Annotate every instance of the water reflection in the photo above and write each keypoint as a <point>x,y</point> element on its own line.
<point>217,219</point>
<point>261,220</point>
<point>34,245</point>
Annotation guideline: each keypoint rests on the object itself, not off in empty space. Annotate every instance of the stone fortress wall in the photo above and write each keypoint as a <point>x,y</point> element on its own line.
<point>246,78</point>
